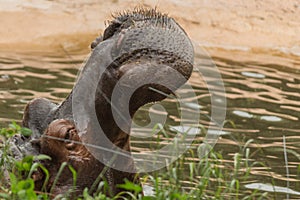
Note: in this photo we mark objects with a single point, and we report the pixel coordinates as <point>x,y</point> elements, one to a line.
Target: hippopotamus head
<point>142,56</point>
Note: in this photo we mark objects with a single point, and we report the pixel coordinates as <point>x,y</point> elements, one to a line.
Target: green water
<point>263,104</point>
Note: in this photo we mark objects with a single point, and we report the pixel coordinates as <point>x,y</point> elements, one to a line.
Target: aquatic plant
<point>187,178</point>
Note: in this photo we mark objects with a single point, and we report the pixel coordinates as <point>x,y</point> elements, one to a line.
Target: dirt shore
<point>269,25</point>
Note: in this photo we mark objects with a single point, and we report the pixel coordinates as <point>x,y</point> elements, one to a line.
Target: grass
<point>187,178</point>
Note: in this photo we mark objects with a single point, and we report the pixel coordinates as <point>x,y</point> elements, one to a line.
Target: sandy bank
<point>34,25</point>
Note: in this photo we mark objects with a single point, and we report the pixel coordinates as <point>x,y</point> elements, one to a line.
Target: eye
<point>67,135</point>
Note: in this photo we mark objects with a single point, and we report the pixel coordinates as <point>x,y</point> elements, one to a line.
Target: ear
<point>35,115</point>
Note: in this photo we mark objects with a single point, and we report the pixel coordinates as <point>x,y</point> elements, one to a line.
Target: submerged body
<point>143,46</point>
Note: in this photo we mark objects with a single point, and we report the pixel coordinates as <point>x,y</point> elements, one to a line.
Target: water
<point>263,104</point>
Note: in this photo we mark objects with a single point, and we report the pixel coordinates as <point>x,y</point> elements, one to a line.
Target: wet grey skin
<point>142,44</point>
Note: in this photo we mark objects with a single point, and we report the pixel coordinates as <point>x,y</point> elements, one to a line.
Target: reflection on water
<point>263,103</point>
<point>31,77</point>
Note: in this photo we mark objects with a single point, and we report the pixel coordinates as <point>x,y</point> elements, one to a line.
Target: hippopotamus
<point>140,49</point>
